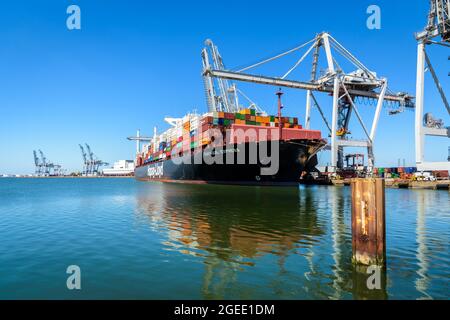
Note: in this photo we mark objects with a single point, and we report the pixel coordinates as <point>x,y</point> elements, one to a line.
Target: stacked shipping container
<point>192,132</point>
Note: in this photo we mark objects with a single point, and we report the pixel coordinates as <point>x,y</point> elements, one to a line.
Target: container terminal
<point>350,90</point>
<point>298,242</point>
<point>91,166</point>
<point>230,109</point>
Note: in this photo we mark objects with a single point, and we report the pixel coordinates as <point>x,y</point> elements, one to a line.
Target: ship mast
<point>280,106</point>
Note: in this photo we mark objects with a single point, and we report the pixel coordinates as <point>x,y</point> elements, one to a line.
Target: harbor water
<point>137,240</point>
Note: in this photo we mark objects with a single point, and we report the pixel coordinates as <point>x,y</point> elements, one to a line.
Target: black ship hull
<point>295,157</point>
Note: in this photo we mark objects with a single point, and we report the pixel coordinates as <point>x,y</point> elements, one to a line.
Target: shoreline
<point>389,183</point>
<point>67,177</point>
<point>406,184</point>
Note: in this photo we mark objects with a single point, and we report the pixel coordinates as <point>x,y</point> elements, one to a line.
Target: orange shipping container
<point>262,119</point>
<point>208,119</point>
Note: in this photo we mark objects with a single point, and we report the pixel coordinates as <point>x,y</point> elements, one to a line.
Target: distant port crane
<point>37,163</point>
<point>46,166</point>
<point>348,90</point>
<point>436,33</point>
<point>43,167</point>
<point>91,164</point>
<point>85,160</point>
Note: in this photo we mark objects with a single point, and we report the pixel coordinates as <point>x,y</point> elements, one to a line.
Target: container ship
<point>245,147</point>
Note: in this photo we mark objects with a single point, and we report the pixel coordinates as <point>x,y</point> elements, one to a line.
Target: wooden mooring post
<point>368,221</point>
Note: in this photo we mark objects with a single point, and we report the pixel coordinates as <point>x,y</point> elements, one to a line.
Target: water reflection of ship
<point>231,226</point>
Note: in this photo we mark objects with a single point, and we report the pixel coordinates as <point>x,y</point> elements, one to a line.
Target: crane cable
<point>277,56</point>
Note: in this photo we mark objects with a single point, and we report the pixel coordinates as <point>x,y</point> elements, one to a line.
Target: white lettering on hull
<point>156,171</point>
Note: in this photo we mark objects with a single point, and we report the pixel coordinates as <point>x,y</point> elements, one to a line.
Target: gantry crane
<point>97,164</point>
<point>138,138</point>
<point>347,89</point>
<point>437,33</point>
<point>227,100</point>
<point>37,163</point>
<point>91,164</point>
<point>43,167</point>
<point>221,95</point>
<point>58,170</point>
<point>90,154</point>
<point>45,164</point>
<point>85,160</point>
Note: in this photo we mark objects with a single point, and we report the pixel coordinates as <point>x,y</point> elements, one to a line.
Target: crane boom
<point>36,158</point>
<point>43,159</point>
<point>83,153</point>
<point>90,153</point>
<point>406,99</point>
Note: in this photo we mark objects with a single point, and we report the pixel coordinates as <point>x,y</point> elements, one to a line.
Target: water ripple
<point>165,241</point>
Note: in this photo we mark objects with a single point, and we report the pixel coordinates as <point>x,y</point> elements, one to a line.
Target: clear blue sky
<point>135,62</point>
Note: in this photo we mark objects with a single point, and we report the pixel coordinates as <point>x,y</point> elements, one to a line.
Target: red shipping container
<point>229,116</point>
<point>440,174</point>
<point>293,134</point>
<point>259,133</point>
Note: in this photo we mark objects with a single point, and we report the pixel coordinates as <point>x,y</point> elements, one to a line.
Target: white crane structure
<point>221,95</point>
<point>138,138</point>
<point>436,33</point>
<point>347,89</point>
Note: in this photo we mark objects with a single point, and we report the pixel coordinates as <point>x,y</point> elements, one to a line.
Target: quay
<point>404,184</point>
